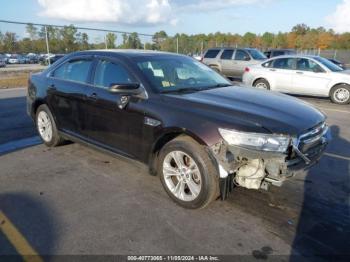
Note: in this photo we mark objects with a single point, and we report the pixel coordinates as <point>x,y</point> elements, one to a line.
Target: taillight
<point>246,69</point>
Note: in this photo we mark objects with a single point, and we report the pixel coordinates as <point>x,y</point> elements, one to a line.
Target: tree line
<point>69,39</point>
<point>61,40</point>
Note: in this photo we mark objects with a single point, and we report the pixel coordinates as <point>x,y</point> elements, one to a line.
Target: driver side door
<point>310,78</point>
<point>112,124</point>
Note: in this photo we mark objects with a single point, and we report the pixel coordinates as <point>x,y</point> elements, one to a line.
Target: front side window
<point>284,63</point>
<point>241,55</point>
<point>109,73</point>
<point>227,55</point>
<point>256,54</point>
<point>74,70</point>
<point>304,64</point>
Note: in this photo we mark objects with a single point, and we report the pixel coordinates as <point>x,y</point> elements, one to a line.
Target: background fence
<point>23,38</point>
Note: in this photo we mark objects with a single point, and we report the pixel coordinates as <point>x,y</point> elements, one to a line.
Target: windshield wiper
<point>219,85</point>
<point>181,90</point>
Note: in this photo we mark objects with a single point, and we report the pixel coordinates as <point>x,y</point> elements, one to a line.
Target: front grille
<point>312,138</point>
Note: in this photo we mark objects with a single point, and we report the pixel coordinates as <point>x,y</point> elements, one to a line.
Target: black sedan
<point>199,133</point>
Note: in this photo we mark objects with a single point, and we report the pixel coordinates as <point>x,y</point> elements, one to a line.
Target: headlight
<point>256,141</point>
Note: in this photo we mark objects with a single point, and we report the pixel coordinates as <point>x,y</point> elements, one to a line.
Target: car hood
<point>233,106</point>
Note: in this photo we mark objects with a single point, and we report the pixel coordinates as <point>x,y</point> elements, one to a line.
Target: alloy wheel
<point>44,126</point>
<point>182,176</point>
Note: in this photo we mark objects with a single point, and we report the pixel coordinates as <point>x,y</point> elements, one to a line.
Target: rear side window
<point>109,73</point>
<point>227,54</point>
<point>242,55</point>
<point>284,63</point>
<point>74,70</point>
<point>212,53</point>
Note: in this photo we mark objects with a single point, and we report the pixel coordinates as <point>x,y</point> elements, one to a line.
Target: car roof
<point>295,56</point>
<point>232,48</point>
<point>127,52</point>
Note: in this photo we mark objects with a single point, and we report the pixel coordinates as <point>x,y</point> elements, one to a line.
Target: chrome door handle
<point>300,73</point>
<point>273,70</point>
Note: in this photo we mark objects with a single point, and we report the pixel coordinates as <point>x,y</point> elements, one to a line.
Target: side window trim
<point>293,64</point>
<point>84,57</point>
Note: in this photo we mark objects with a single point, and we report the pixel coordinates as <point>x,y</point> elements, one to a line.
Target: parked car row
<point>20,58</point>
<point>30,58</point>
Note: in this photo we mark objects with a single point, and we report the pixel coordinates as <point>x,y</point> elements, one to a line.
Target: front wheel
<point>187,173</point>
<point>340,94</point>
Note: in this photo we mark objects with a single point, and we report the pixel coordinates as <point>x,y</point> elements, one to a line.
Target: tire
<point>262,84</point>
<point>215,69</point>
<point>340,94</point>
<point>47,128</point>
<point>203,178</point>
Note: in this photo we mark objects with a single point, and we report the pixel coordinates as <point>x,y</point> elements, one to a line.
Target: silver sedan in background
<point>303,75</point>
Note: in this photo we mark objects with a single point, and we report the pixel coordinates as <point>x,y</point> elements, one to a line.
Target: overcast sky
<point>184,16</point>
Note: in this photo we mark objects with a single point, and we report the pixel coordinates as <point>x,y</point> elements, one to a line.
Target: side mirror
<point>126,88</point>
<point>247,58</point>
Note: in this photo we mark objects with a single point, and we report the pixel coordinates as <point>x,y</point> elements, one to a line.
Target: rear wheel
<point>262,84</point>
<point>47,128</point>
<point>187,173</point>
<point>340,94</point>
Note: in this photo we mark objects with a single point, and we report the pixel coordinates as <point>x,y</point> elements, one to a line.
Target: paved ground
<point>74,200</point>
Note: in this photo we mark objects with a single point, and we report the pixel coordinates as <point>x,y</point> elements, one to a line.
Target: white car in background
<point>303,75</point>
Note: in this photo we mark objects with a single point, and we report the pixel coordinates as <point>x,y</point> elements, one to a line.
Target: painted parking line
<point>337,156</point>
<point>18,240</point>
<point>19,144</point>
<point>335,110</point>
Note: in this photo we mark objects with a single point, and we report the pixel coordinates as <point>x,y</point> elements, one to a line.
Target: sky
<point>180,16</point>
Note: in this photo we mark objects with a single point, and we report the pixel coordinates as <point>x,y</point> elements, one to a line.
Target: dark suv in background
<point>232,62</point>
<point>278,52</point>
<point>199,133</point>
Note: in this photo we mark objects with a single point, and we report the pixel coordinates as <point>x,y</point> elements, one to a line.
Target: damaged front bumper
<point>254,169</point>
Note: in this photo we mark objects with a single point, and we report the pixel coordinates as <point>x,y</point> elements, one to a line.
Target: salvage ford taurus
<point>199,133</point>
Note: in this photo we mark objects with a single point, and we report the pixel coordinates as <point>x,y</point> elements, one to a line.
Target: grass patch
<point>15,80</point>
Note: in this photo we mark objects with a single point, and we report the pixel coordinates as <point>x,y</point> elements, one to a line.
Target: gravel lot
<point>75,200</point>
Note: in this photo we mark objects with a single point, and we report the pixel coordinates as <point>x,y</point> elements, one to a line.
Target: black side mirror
<point>126,88</point>
<point>247,58</point>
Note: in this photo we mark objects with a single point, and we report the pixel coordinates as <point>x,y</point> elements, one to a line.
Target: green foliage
<point>69,39</point>
<point>110,40</point>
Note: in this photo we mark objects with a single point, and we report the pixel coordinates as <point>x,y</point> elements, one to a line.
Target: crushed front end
<point>260,167</point>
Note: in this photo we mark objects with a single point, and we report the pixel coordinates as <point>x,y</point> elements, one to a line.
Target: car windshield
<point>257,55</point>
<point>178,73</point>
<point>331,66</point>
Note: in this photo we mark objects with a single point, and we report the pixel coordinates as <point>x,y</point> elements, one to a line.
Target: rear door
<point>241,61</point>
<point>67,93</point>
<point>227,62</point>
<point>310,78</point>
<point>281,72</point>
